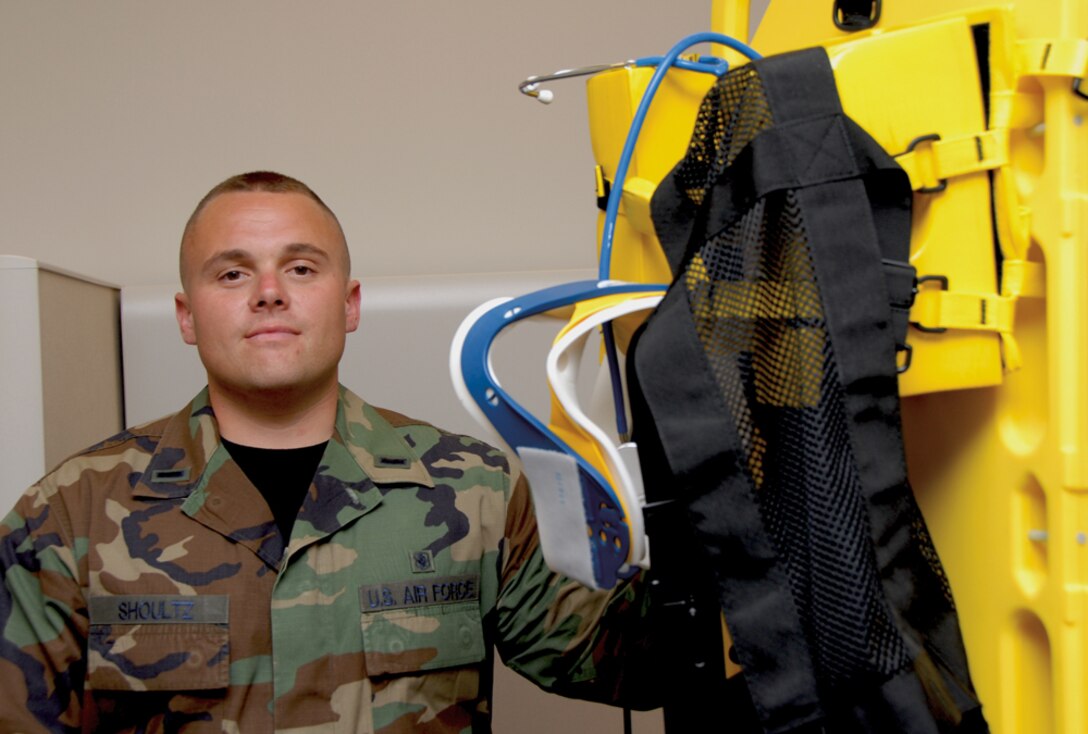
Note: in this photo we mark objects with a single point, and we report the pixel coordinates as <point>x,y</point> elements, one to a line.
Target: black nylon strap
<point>817,146</point>
<point>855,203</point>
<point>822,149</point>
<point>702,451</point>
<point>700,442</point>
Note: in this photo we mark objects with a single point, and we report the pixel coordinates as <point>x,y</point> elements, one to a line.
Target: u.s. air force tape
<point>160,609</point>
<point>419,593</point>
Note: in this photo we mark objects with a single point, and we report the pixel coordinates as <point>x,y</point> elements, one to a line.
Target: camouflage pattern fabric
<point>146,588</point>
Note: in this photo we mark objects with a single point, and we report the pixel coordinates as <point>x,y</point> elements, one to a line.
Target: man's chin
<point>276,386</point>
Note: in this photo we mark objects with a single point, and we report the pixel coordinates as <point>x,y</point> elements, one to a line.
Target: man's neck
<point>275,419</point>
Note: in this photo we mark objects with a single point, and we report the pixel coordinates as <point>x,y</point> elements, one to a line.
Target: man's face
<point>267,300</point>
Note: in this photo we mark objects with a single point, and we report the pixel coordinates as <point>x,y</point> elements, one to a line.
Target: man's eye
<point>231,275</point>
<point>302,270</point>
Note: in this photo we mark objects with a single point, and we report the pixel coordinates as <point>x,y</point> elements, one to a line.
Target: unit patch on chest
<point>422,561</point>
<point>417,593</point>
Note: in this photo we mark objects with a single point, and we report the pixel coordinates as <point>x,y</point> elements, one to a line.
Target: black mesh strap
<point>681,419</point>
<point>766,384</point>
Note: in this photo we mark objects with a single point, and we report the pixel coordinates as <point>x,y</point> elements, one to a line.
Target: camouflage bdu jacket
<point>145,588</point>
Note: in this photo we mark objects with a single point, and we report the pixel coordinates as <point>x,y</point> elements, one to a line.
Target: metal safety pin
<point>531,86</point>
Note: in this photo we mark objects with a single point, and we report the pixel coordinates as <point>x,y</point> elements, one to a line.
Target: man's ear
<point>184,315</point>
<point>351,306</point>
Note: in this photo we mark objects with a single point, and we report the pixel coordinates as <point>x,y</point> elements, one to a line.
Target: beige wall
<point>81,364</point>
<point>404,115</point>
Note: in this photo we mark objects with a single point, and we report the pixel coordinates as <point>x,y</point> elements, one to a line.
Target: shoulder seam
<point>152,430</point>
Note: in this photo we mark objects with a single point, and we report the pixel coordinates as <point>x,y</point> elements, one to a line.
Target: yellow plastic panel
<point>1026,657</point>
<point>793,24</point>
<point>882,79</point>
<point>613,98</point>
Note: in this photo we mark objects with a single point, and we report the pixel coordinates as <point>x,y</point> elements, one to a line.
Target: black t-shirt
<point>281,475</point>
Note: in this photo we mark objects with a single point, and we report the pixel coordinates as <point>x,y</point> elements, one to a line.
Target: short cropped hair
<point>270,181</point>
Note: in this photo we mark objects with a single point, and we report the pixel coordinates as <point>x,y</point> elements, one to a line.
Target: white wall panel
<point>22,428</point>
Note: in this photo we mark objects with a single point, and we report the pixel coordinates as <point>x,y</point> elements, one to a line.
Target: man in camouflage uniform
<point>149,586</point>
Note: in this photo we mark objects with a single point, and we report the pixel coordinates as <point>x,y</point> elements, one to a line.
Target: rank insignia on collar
<point>170,475</point>
<point>422,561</point>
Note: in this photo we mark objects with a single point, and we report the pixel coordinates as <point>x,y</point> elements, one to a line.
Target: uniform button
<point>396,646</point>
<point>195,659</point>
<point>466,637</point>
<point>215,501</point>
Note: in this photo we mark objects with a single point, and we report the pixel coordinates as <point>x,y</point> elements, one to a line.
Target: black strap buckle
<point>1077,90</point>
<point>908,350</point>
<point>852,16</point>
<point>943,280</point>
<point>942,184</point>
<point>606,191</point>
<point>899,277</point>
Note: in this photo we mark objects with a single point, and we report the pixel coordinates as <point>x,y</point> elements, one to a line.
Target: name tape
<point>415,593</point>
<point>160,609</point>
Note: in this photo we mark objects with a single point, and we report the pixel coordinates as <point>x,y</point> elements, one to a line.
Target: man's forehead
<point>263,207</point>
<point>226,222</point>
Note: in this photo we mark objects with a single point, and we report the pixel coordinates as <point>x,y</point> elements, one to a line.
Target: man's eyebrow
<point>220,259</point>
<point>239,255</point>
<point>305,248</point>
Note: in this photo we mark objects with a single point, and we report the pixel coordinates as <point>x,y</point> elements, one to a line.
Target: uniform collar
<point>377,447</point>
<point>188,448</point>
<point>190,451</point>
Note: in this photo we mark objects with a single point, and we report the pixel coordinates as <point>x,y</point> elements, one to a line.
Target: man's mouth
<point>271,331</point>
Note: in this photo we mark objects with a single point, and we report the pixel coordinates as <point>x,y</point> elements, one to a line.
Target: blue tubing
<point>668,60</point>
<point>663,63</point>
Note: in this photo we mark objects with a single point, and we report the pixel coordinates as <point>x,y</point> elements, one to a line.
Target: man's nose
<point>269,292</point>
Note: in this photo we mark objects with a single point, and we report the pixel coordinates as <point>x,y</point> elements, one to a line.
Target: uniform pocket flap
<point>164,645</point>
<point>422,638</point>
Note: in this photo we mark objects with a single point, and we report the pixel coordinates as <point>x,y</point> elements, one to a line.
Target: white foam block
<point>560,512</point>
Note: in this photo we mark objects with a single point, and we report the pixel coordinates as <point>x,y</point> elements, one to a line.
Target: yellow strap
<point>1053,57</point>
<point>602,191</point>
<point>936,309</point>
<point>1023,278</point>
<point>933,162</point>
<point>635,202</point>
